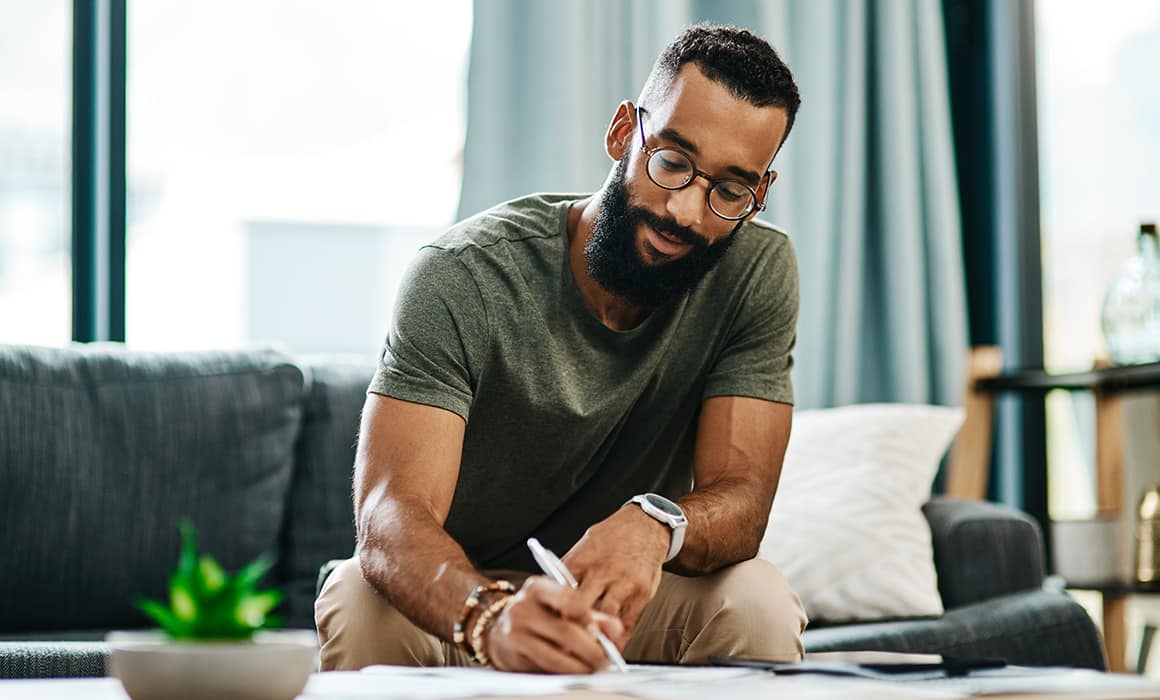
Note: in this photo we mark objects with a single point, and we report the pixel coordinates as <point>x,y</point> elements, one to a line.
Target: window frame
<point>98,170</point>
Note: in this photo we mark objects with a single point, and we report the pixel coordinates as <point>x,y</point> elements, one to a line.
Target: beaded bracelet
<point>459,631</point>
<point>481,624</point>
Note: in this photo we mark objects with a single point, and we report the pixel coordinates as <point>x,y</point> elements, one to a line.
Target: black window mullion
<point>84,176</point>
<point>117,175</point>
<point>98,170</point>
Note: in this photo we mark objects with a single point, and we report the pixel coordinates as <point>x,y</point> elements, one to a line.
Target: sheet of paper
<point>489,682</point>
<point>63,689</point>
<point>654,682</point>
<point>1068,683</point>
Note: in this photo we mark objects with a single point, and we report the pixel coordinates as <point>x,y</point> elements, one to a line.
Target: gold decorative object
<point>1148,538</point>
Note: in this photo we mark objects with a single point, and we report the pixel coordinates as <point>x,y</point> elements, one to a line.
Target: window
<point>35,95</point>
<point>1099,107</point>
<point>285,160</point>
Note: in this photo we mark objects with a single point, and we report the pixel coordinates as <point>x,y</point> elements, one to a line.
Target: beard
<point>613,259</point>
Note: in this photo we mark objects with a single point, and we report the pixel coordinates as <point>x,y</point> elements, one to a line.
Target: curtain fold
<point>867,184</point>
<point>544,80</point>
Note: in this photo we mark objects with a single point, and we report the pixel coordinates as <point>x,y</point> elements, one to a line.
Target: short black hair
<point>734,57</point>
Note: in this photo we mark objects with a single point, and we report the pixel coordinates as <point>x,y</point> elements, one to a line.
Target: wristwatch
<point>668,513</point>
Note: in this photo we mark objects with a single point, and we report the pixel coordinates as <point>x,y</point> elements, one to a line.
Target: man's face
<point>651,245</point>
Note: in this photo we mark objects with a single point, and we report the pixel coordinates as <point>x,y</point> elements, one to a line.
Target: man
<point>555,357</point>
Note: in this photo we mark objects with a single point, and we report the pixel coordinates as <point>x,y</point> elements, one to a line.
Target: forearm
<point>727,520</point>
<point>408,557</point>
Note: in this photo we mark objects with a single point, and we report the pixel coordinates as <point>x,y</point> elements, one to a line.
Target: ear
<point>763,191</point>
<point>767,182</point>
<point>618,139</point>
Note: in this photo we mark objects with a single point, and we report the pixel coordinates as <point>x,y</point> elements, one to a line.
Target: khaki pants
<point>743,610</point>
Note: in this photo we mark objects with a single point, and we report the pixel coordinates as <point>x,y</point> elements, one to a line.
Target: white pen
<point>559,573</point>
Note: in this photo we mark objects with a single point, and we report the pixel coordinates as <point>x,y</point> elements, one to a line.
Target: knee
<point>357,627</point>
<point>752,612</point>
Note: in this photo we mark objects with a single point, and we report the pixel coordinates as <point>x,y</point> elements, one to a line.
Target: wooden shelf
<point>1107,380</point>
<point>972,452</point>
<point>1114,588</point>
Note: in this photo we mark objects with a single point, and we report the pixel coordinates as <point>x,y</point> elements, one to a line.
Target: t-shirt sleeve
<point>437,338</point>
<point>757,355</point>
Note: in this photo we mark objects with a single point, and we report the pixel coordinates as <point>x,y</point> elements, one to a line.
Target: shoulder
<point>757,276</point>
<point>496,253</point>
<point>759,249</point>
<point>528,220</point>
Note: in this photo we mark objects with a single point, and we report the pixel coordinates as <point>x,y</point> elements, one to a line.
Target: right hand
<point>548,628</point>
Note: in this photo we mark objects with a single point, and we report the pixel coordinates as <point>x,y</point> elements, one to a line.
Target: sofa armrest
<point>982,550</point>
<point>1033,628</point>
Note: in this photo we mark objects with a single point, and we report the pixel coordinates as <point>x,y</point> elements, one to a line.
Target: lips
<point>663,243</point>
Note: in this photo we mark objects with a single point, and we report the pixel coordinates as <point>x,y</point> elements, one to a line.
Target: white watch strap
<point>676,532</point>
<point>676,543</point>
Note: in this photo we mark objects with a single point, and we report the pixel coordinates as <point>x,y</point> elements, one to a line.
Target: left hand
<point>618,564</point>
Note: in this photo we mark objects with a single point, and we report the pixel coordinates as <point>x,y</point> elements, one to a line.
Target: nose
<point>687,205</point>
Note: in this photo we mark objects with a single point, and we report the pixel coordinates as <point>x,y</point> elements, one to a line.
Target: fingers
<point>622,602</point>
<point>575,641</point>
<point>617,596</point>
<point>624,598</point>
<point>565,602</point>
<point>633,606</point>
<point>592,589</point>
<point>630,613</point>
<point>611,626</point>
<point>622,590</point>
<point>547,628</point>
<point>538,654</point>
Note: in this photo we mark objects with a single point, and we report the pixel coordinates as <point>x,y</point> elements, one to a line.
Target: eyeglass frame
<point>758,202</point>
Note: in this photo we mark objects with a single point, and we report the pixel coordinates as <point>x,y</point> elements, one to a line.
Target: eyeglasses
<point>672,169</point>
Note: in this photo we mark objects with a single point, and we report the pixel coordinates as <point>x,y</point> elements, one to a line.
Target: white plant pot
<point>274,665</point>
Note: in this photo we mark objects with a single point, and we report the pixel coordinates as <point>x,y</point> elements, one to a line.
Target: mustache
<point>669,227</point>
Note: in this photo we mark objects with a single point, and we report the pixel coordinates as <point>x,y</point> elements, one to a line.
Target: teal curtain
<point>544,79</point>
<point>867,183</point>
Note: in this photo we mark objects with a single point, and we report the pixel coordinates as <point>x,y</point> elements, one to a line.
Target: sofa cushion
<point>28,659</point>
<point>320,514</point>
<point>103,451</point>
<point>1033,628</point>
<point>847,528</point>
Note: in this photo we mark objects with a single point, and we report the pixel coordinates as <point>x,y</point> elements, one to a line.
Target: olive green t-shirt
<point>567,418</point>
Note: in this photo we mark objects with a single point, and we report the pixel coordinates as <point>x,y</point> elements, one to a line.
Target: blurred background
<point>184,175</point>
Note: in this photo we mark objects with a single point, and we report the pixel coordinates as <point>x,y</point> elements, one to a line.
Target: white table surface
<point>365,686</point>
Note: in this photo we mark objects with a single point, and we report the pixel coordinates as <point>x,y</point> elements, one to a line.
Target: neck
<point>615,312</point>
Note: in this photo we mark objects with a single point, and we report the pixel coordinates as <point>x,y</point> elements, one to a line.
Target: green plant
<point>207,603</point>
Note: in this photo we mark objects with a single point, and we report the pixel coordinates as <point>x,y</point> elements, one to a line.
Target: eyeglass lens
<point>673,170</point>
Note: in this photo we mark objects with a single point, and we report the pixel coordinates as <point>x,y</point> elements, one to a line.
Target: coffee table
<point>354,686</point>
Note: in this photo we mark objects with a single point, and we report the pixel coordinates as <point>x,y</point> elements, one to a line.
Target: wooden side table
<point>970,463</point>
<point>1115,598</point>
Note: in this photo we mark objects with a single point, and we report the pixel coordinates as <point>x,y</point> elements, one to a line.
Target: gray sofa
<point>102,451</point>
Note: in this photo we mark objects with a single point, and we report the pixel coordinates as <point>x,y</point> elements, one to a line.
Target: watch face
<point>664,505</point>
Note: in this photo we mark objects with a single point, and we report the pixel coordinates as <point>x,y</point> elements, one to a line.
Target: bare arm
<point>740,447</point>
<point>406,469</point>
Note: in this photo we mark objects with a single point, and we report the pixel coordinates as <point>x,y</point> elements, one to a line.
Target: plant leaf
<point>182,602</point>
<point>211,578</point>
<point>187,560</point>
<point>248,576</point>
<point>164,618</point>
<point>205,602</point>
<point>251,610</point>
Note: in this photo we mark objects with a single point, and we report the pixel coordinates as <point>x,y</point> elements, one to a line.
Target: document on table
<point>390,682</point>
<point>692,682</point>
<point>1048,683</point>
<point>659,682</point>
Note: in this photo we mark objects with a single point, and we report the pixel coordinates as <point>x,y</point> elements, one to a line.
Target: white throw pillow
<point>847,528</point>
